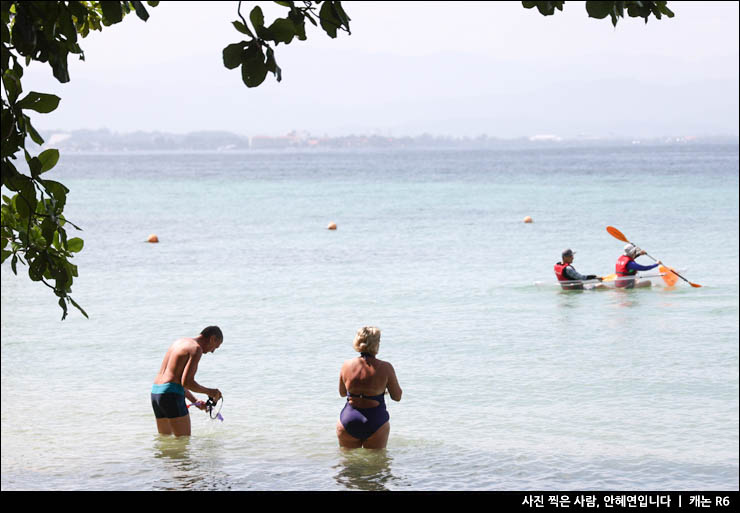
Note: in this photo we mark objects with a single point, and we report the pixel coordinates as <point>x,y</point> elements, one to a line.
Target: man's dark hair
<point>212,330</point>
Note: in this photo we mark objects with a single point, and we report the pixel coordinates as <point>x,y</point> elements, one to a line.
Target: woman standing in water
<point>364,421</point>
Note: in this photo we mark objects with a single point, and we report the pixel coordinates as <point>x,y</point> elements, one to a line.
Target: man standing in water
<point>176,381</point>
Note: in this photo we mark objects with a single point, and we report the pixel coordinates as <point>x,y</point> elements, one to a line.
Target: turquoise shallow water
<point>509,382</point>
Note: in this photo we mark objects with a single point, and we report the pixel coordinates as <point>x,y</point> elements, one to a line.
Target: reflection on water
<point>364,469</point>
<point>569,298</point>
<point>629,298</point>
<point>171,447</point>
<point>190,464</point>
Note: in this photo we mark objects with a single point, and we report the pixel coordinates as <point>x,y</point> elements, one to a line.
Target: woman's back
<point>363,381</point>
<point>367,376</point>
<point>364,377</point>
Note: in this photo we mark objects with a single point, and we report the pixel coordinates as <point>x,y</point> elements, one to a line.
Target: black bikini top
<point>380,398</point>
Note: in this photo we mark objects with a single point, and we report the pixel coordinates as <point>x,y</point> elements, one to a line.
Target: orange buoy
<point>332,226</point>
<point>527,219</point>
<point>153,238</point>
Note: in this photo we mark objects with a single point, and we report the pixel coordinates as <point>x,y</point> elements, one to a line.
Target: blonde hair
<point>367,340</point>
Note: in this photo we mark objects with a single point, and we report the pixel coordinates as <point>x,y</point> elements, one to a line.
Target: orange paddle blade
<point>669,276</point>
<point>610,277</point>
<point>616,233</point>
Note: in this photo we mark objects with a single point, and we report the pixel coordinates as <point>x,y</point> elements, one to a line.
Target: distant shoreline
<point>105,141</point>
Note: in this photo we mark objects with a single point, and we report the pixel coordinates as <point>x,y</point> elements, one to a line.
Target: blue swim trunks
<point>168,401</point>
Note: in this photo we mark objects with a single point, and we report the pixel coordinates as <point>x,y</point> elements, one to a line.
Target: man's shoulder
<point>186,344</point>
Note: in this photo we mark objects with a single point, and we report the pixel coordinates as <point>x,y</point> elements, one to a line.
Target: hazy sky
<point>445,68</point>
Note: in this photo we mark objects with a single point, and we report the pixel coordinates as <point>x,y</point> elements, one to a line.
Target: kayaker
<point>627,268</point>
<point>569,278</point>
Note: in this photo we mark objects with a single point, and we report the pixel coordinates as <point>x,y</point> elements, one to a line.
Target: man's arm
<point>188,377</point>
<point>189,396</point>
<point>572,274</point>
<point>194,400</point>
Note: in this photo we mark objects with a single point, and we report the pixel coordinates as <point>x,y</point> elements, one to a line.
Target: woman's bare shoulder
<point>348,363</point>
<point>386,365</point>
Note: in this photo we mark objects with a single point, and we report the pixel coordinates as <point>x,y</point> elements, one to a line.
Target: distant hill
<point>105,141</point>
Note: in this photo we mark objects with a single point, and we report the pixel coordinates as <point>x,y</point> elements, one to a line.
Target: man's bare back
<point>177,358</point>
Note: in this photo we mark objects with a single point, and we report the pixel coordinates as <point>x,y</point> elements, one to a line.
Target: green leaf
<point>40,102</point>
<point>599,10</point>
<point>112,12</point>
<point>75,244</point>
<point>344,19</point>
<point>299,24</point>
<point>238,25</point>
<point>12,85</point>
<point>253,73</point>
<point>58,192</point>
<point>282,30</point>
<point>35,165</point>
<point>662,7</point>
<point>6,123</point>
<point>545,8</point>
<point>233,54</point>
<point>62,277</point>
<point>140,10</point>
<point>48,227</point>
<point>78,307</point>
<point>49,159</point>
<point>329,22</point>
<point>37,268</point>
<point>257,18</point>
<point>272,65</point>
<point>59,66</point>
<point>12,179</point>
<point>35,137</point>
<point>254,69</point>
<point>25,201</point>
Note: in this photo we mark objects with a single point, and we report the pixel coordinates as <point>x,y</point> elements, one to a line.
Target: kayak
<point>667,279</point>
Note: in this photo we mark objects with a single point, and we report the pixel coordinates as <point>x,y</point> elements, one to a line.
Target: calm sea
<point>509,383</point>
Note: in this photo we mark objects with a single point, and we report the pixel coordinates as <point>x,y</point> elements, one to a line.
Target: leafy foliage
<point>34,229</point>
<point>600,10</point>
<point>255,55</point>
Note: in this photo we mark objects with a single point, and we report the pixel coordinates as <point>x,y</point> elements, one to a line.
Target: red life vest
<point>560,270</point>
<point>621,270</point>
<point>560,274</point>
